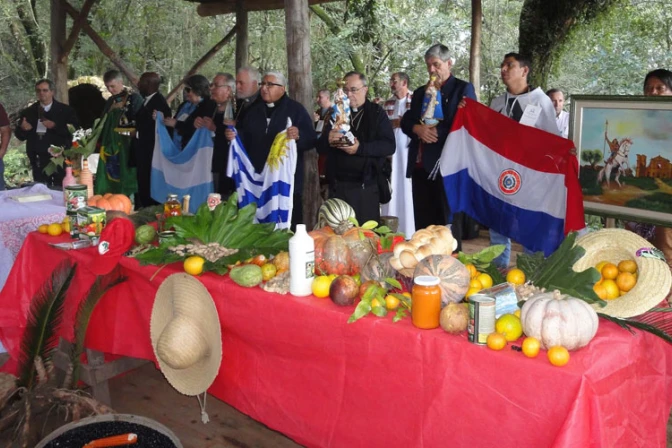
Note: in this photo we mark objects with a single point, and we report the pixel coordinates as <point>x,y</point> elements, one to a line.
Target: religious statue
<point>340,116</point>
<point>432,112</point>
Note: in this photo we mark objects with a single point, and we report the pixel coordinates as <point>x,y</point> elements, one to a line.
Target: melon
<point>453,276</point>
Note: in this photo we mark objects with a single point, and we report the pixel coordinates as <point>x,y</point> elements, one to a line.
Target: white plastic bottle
<point>301,262</point>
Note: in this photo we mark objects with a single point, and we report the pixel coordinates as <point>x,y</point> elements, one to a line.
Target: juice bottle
<point>172,206</point>
<point>426,302</point>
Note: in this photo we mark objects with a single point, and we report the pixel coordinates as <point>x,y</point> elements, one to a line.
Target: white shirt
<point>537,97</point>
<point>147,98</point>
<point>562,121</point>
<point>41,128</point>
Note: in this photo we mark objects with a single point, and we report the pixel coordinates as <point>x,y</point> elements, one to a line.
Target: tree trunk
<point>357,63</point>
<point>475,51</point>
<point>59,60</point>
<point>544,29</point>
<point>297,26</point>
<point>242,53</point>
<point>38,48</point>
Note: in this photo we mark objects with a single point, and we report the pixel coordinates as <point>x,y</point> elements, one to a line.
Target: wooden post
<point>241,35</point>
<point>59,62</point>
<point>297,26</point>
<point>475,52</point>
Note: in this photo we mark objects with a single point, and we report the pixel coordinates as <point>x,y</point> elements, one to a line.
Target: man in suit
<point>143,143</point>
<point>43,124</point>
<point>430,204</point>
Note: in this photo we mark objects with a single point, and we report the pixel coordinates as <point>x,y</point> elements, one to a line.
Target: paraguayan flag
<point>181,172</point>
<point>272,189</point>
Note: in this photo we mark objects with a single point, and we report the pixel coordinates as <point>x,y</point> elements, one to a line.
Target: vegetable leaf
<point>482,259</point>
<point>530,263</point>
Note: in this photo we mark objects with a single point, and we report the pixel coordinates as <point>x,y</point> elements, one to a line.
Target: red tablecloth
<point>297,366</point>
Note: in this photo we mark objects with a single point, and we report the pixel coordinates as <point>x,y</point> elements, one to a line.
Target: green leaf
<point>530,263</point>
<point>393,282</point>
<point>362,309</point>
<point>627,323</point>
<point>369,225</point>
<point>483,258</point>
<point>379,311</point>
<point>400,314</point>
<point>354,221</point>
<point>494,273</point>
<point>383,230</point>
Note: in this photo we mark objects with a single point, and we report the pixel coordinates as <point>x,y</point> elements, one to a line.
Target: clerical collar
<point>354,109</point>
<point>47,107</point>
<point>270,104</point>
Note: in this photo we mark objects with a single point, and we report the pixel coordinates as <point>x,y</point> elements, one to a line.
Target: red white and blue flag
<point>518,180</point>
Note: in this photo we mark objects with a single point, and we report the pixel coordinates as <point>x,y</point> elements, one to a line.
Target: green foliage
<point>17,167</point>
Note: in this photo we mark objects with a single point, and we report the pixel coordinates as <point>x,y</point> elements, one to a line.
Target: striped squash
<point>454,276</point>
<point>336,213</point>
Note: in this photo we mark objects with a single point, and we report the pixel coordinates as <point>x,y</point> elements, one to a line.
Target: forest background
<point>607,53</point>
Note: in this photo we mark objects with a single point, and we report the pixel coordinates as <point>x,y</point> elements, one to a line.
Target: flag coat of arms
<point>272,189</point>
<point>187,171</point>
<point>515,179</point>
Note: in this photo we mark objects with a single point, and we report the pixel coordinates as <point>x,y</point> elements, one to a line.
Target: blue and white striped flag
<point>181,172</point>
<point>272,189</point>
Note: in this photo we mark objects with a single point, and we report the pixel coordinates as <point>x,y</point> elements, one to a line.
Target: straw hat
<point>653,274</point>
<point>186,334</point>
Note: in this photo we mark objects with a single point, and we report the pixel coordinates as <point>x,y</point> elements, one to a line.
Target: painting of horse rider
<point>624,145</point>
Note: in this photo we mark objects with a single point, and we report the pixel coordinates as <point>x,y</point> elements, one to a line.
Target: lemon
<point>515,277</point>
<point>43,228</point>
<point>471,292</point>
<point>611,288</point>
<point>600,265</point>
<point>472,270</point>
<point>55,229</point>
<point>475,283</point>
<point>391,302</point>
<point>517,313</point>
<point>627,266</point>
<point>65,225</point>
<point>194,265</point>
<point>320,286</point>
<point>509,326</point>
<point>486,280</point>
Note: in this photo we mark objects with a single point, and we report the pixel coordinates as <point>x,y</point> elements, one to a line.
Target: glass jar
<point>426,302</point>
<point>172,206</point>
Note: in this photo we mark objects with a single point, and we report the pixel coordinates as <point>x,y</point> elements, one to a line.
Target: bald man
<point>143,144</point>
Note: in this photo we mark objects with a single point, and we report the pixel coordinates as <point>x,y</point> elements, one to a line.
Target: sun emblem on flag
<point>509,181</point>
<point>278,151</point>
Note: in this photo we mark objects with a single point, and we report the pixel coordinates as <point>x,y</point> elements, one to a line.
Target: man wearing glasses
<point>265,119</point>
<point>352,170</point>
<point>43,124</point>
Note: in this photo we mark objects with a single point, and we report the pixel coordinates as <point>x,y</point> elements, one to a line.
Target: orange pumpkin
<point>109,201</point>
<point>343,254</point>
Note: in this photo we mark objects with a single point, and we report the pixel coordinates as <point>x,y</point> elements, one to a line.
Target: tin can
<point>75,197</point>
<point>167,236</point>
<point>481,318</point>
<point>90,223</point>
<point>214,199</point>
<point>72,219</point>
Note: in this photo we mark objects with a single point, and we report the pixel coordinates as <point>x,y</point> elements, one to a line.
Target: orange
<point>517,313</point>
<point>495,341</point>
<point>627,266</point>
<point>475,283</point>
<point>515,276</point>
<point>600,265</point>
<point>43,228</point>
<point>391,302</point>
<point>558,355</point>
<point>600,290</point>
<point>485,279</point>
<point>626,281</point>
<point>320,286</point>
<point>471,292</point>
<point>194,265</point>
<point>612,289</point>
<point>531,347</point>
<point>406,294</point>
<point>55,229</point>
<point>268,271</point>
<point>609,271</point>
<point>472,270</point>
<point>375,303</point>
<point>509,326</point>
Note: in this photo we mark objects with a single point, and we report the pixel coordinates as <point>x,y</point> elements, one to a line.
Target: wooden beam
<point>242,53</point>
<point>59,62</point>
<point>101,44</point>
<point>77,27</point>
<point>475,49</point>
<point>229,6</point>
<point>201,62</point>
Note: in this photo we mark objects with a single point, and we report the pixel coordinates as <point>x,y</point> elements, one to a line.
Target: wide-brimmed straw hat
<point>653,274</point>
<point>186,334</point>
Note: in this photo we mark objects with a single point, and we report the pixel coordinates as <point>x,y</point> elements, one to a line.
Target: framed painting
<point>624,146</point>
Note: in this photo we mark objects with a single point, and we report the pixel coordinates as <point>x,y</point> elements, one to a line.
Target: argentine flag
<point>272,189</point>
<point>518,180</point>
<point>181,172</point>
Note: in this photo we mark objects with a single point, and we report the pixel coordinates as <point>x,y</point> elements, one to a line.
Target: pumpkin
<point>336,213</point>
<point>110,201</point>
<point>453,276</point>
<point>556,319</point>
<point>343,254</point>
<point>378,268</point>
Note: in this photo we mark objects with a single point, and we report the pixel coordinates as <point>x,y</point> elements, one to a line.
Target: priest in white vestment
<point>401,204</point>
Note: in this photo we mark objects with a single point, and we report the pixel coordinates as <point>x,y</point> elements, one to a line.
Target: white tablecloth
<point>17,219</point>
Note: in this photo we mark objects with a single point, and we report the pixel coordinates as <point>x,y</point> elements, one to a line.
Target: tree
<point>592,156</point>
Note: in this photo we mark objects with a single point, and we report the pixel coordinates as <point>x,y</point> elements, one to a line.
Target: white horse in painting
<point>618,161</point>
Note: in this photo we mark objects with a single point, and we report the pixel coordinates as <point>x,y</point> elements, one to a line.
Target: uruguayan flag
<point>181,172</point>
<point>272,189</point>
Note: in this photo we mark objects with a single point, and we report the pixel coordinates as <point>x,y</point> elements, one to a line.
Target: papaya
<point>247,275</point>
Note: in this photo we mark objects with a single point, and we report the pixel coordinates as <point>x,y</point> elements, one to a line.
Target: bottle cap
<point>426,280</point>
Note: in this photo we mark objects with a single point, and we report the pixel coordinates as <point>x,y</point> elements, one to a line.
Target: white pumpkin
<point>555,319</point>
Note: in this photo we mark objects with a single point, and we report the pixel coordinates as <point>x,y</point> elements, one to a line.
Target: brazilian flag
<point>113,174</point>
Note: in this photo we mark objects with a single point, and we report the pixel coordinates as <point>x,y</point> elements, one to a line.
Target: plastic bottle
<point>301,262</point>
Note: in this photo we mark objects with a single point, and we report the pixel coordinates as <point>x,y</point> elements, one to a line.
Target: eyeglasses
<point>187,89</point>
<point>42,90</point>
<point>353,90</point>
<point>217,86</point>
<point>269,84</point>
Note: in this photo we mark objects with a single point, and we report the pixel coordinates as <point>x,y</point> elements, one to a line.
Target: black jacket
<point>186,129</point>
<point>145,126</point>
<point>376,141</point>
<point>59,113</point>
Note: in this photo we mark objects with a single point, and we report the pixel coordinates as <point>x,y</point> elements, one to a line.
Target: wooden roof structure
<point>208,8</point>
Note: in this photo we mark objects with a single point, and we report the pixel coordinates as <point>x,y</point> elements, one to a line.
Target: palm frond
<point>657,326</point>
<point>102,284</point>
<point>44,317</point>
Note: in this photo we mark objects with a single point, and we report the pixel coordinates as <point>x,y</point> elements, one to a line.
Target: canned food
<point>481,318</point>
<point>72,219</point>
<point>90,223</point>
<point>75,197</point>
<point>167,236</point>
